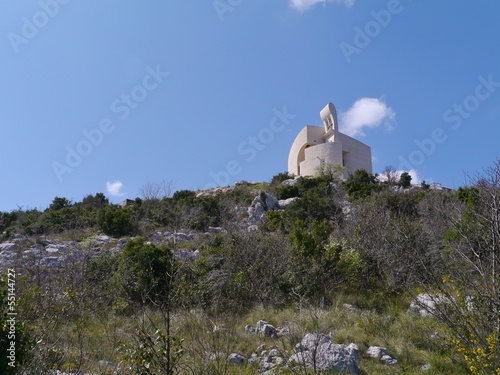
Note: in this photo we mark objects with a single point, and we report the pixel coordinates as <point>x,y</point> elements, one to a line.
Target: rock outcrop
<point>262,203</point>
<point>317,351</point>
<point>382,354</point>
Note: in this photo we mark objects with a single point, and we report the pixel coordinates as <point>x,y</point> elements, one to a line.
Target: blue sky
<point>106,96</point>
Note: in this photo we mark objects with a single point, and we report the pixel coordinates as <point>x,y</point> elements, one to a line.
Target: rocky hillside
<point>315,275</point>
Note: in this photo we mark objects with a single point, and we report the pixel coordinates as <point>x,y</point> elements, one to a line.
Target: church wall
<point>359,155</point>
<point>315,155</point>
<point>309,135</point>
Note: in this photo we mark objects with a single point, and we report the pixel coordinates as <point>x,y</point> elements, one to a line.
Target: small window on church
<point>329,123</point>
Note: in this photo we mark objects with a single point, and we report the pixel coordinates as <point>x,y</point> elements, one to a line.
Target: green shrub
<point>116,221</point>
<point>285,192</point>
<point>280,177</point>
<point>145,272</point>
<point>361,184</point>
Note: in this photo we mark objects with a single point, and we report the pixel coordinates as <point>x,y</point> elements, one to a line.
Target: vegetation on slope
<point>372,245</point>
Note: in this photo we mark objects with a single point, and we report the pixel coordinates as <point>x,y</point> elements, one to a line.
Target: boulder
<point>178,237</point>
<point>354,350</point>
<point>382,354</point>
<point>425,367</point>
<point>236,359</point>
<point>103,239</point>
<point>387,359</point>
<point>253,358</point>
<point>256,213</point>
<point>249,329</point>
<point>157,238</point>
<point>311,341</point>
<point>266,329</point>
<point>52,249</point>
<point>317,351</point>
<point>290,182</point>
<point>377,351</point>
<point>285,202</point>
<point>268,201</point>
<point>261,203</point>
<point>425,304</point>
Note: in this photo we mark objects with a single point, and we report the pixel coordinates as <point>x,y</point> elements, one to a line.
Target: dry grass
<point>98,344</point>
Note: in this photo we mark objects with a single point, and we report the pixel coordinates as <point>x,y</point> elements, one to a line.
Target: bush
<point>280,177</point>
<point>145,272</point>
<point>184,195</point>
<point>116,221</point>
<point>285,192</point>
<point>361,184</point>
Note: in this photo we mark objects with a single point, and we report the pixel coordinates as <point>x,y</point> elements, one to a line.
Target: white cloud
<point>303,5</point>
<point>415,179</point>
<point>366,113</point>
<point>114,188</point>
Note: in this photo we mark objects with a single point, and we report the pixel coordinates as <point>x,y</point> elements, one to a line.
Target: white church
<point>315,145</point>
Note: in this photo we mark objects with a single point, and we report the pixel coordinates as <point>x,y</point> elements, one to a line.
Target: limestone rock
<point>262,203</point>
<point>236,359</point>
<point>266,329</point>
<point>290,182</point>
<point>8,246</point>
<point>249,329</point>
<point>377,351</point>
<point>317,350</point>
<point>382,354</point>
<point>389,360</point>
<point>353,349</point>
<point>425,304</point>
<point>311,341</point>
<point>285,202</point>
<point>178,237</point>
<point>425,367</point>
<point>56,248</point>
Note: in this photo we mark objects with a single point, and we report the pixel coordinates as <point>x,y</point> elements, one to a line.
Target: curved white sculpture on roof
<point>315,145</point>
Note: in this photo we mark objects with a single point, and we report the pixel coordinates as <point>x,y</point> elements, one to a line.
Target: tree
<point>391,175</point>
<point>424,185</point>
<point>467,286</point>
<point>95,201</point>
<point>157,190</point>
<point>143,271</point>
<point>59,203</point>
<point>146,274</point>
<point>405,180</point>
<point>312,268</point>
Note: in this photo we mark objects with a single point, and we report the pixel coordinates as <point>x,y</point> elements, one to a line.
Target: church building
<point>315,145</point>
